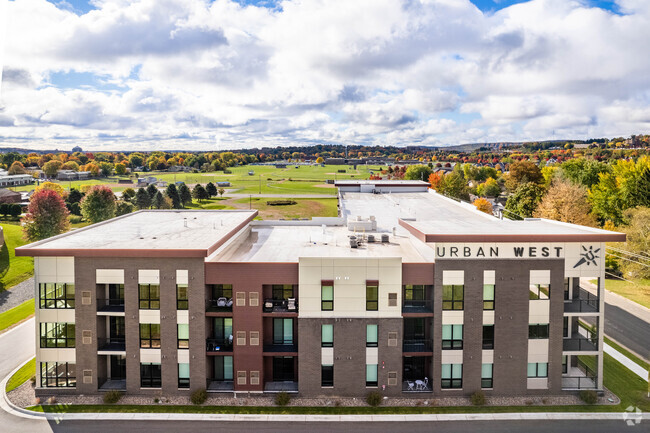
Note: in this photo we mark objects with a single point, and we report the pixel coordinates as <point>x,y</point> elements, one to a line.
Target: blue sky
<point>189,74</point>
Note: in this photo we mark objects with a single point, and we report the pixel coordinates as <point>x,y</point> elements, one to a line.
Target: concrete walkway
<point>627,362</point>
<point>16,295</point>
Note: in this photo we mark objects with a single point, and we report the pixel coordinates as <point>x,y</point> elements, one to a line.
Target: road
<point>628,330</point>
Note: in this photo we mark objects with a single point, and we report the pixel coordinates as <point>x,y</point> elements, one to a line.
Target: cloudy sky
<point>202,75</point>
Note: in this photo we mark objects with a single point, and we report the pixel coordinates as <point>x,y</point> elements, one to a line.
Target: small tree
<point>142,199</point>
<point>46,216</point>
<point>128,194</point>
<point>152,190</point>
<point>52,186</point>
<point>50,168</point>
<point>199,193</point>
<point>158,201</point>
<point>483,205</point>
<point>211,189</point>
<point>4,209</point>
<point>98,204</point>
<point>123,207</point>
<point>106,168</point>
<point>15,210</point>
<point>74,196</point>
<point>17,168</point>
<point>173,195</point>
<point>120,169</point>
<point>186,194</point>
<point>221,191</point>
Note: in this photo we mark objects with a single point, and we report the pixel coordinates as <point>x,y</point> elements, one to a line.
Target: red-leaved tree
<point>46,216</point>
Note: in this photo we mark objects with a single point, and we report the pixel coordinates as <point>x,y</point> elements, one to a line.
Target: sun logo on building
<point>588,256</point>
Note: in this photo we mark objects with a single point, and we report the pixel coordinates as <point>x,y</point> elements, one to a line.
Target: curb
<point>8,406</point>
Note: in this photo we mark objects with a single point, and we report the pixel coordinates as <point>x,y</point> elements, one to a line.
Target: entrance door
<point>283,369</point>
<point>118,367</point>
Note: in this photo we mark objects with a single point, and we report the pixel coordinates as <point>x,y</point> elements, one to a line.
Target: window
<point>565,327</point>
<point>371,374</point>
<point>58,375</point>
<point>57,335</point>
<point>372,296</point>
<point>371,336</point>
<point>565,362</point>
<point>149,296</point>
<point>183,330</point>
<point>566,288</point>
<point>327,375</point>
<point>488,337</point>
<point>223,370</point>
<point>538,331</point>
<point>183,375</point>
<point>539,291</point>
<point>56,295</point>
<point>282,292</point>
<point>452,297</point>
<point>150,335</point>
<point>222,331</point>
<point>327,336</point>
<point>415,292</point>
<point>452,376</point>
<point>222,291</point>
<point>181,296</point>
<point>452,336</point>
<point>486,376</point>
<point>327,296</point>
<point>537,369</point>
<point>150,375</point>
<point>283,331</point>
<point>488,296</point>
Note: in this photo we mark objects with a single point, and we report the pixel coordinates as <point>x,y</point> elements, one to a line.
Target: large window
<point>486,376</point>
<point>371,335</point>
<point>538,331</point>
<point>372,296</point>
<point>452,336</point>
<point>327,296</point>
<point>150,335</point>
<point>222,291</point>
<point>57,335</point>
<point>327,375</point>
<point>150,375</point>
<point>282,292</point>
<point>58,375</point>
<point>415,292</point>
<point>183,375</point>
<point>371,374</point>
<point>488,337</point>
<point>222,335</point>
<point>223,368</point>
<point>183,330</point>
<point>452,376</point>
<point>283,331</point>
<point>56,295</point>
<point>537,369</point>
<point>539,291</point>
<point>452,297</point>
<point>327,336</point>
<point>181,297</point>
<point>149,296</point>
<point>488,296</point>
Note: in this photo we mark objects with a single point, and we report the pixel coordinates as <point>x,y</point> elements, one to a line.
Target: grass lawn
<point>304,208</point>
<point>628,386</point>
<point>21,376</point>
<point>637,291</point>
<point>625,352</point>
<point>16,314</point>
<point>13,270</point>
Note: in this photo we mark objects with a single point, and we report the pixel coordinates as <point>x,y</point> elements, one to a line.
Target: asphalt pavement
<point>627,330</point>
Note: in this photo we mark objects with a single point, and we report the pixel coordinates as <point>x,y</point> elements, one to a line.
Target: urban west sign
<point>500,251</point>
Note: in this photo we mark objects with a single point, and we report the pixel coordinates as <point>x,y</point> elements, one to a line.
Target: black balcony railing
<point>280,305</point>
<point>110,305</point>
<point>425,345</point>
<point>111,344</point>
<point>219,305</point>
<point>218,345</point>
<point>579,343</point>
<point>417,306</point>
<point>281,347</point>
<point>219,385</point>
<point>584,302</point>
<point>108,384</point>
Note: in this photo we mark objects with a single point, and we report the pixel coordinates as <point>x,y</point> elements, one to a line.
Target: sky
<point>226,74</point>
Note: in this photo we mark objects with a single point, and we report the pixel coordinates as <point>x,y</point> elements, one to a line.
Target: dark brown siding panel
<point>417,273</point>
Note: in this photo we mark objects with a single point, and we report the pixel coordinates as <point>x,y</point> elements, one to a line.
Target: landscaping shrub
<point>478,398</point>
<point>112,397</point>
<point>280,202</point>
<point>374,398</point>
<point>282,399</point>
<point>589,396</point>
<point>199,396</point>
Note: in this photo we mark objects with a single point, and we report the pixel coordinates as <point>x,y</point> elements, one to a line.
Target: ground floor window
<point>371,374</point>
<point>537,369</point>
<point>58,375</point>
<point>223,368</point>
<point>150,375</point>
<point>183,375</point>
<point>452,376</point>
<point>486,376</point>
<point>327,375</point>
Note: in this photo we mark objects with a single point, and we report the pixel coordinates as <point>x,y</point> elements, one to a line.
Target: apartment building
<point>405,292</point>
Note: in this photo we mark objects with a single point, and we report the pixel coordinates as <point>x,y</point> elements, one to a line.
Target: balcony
<point>584,302</point>
<point>280,305</point>
<point>420,306</point>
<point>220,385</point>
<point>422,345</point>
<point>579,377</point>
<point>285,347</point>
<point>111,344</point>
<point>580,343</point>
<point>110,305</point>
<point>107,384</point>
<point>215,345</point>
<point>282,386</point>
<point>219,305</point>
<point>418,385</point>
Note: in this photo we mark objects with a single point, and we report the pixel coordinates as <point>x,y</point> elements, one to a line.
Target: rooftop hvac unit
<point>371,238</point>
<point>353,243</point>
<point>384,238</point>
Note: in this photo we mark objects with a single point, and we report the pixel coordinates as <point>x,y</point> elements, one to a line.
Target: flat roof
<point>381,182</point>
<point>150,233</point>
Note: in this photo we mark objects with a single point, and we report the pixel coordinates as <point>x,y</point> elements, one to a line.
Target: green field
<point>13,269</point>
<point>304,207</point>
<point>16,314</point>
<point>637,291</point>
<point>22,375</point>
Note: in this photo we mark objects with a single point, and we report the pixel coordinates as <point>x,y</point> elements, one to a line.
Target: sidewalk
<point>627,362</point>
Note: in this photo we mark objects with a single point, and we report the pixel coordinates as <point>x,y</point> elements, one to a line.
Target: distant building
<point>223,184</point>
<point>179,168</point>
<point>281,165</point>
<point>9,196</point>
<point>16,180</point>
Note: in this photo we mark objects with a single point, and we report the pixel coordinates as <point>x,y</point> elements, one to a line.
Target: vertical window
<point>371,335</point>
<point>222,336</point>
<point>537,369</point>
<point>59,335</point>
<point>149,296</point>
<point>567,282</point>
<point>486,376</point>
<point>539,291</point>
<point>150,335</point>
<point>538,331</point>
<point>183,330</point>
<point>223,370</point>
<point>327,336</point>
<point>150,375</point>
<point>488,296</point>
<point>56,295</point>
<point>181,297</point>
<point>452,297</point>
<point>327,375</point>
<point>58,375</point>
<point>565,364</point>
<point>283,331</point>
<point>565,327</point>
<point>452,336</point>
<point>371,374</point>
<point>282,292</point>
<point>372,296</point>
<point>327,296</point>
<point>452,376</point>
<point>183,375</point>
<point>488,337</point>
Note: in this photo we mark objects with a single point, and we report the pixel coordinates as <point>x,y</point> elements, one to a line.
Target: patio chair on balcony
<point>411,385</point>
<point>221,302</point>
<point>291,304</point>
